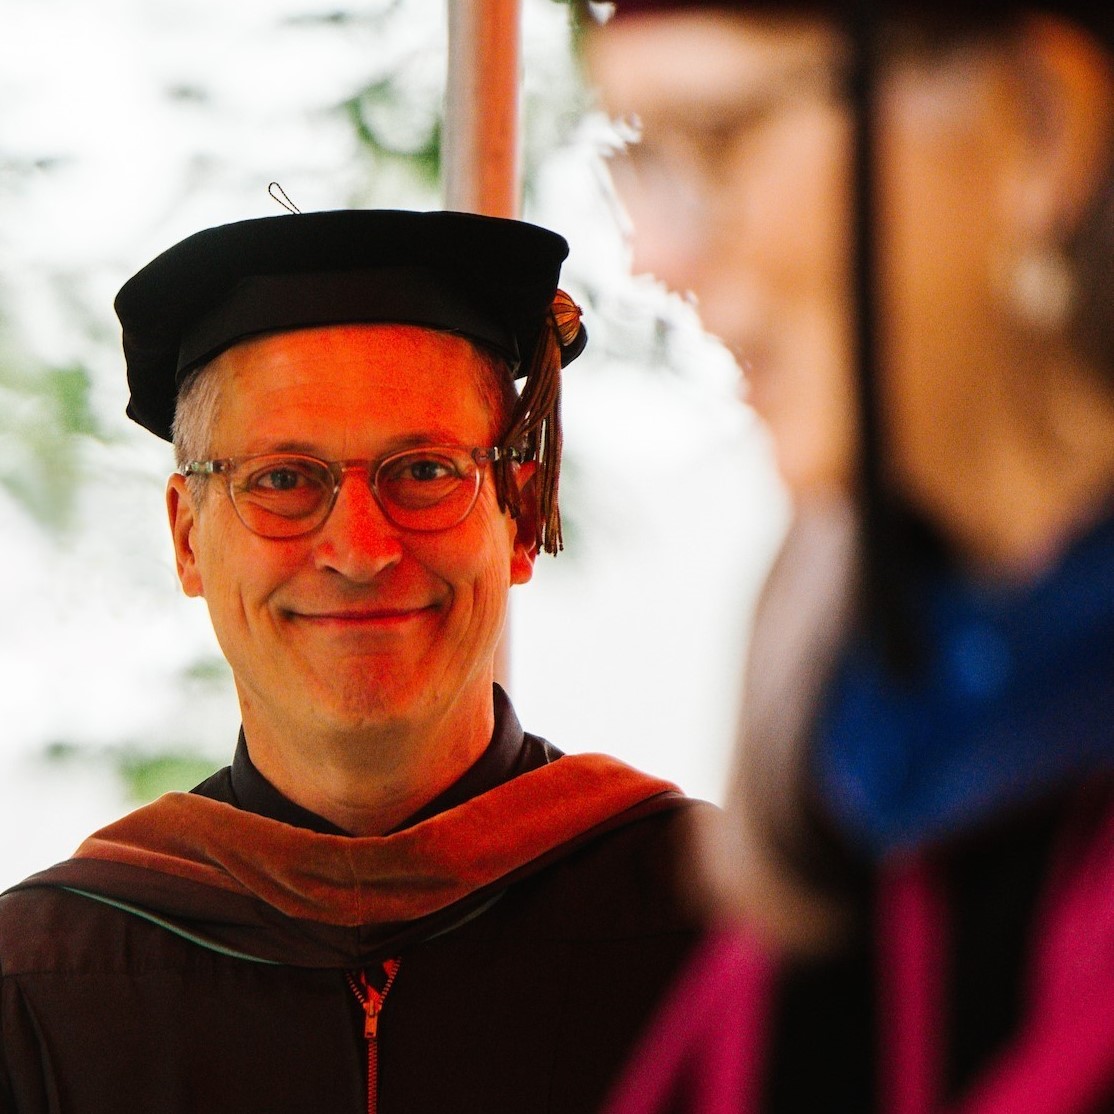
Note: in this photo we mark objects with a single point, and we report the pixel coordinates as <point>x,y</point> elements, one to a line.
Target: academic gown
<point>980,982</point>
<point>978,806</point>
<point>200,956</point>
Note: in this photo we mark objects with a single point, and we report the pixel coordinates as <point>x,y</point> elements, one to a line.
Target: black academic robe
<point>155,972</point>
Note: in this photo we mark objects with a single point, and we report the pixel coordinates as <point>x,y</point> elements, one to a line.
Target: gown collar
<point>510,753</point>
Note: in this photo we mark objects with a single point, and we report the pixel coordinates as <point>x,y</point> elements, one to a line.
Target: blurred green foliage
<point>144,772</point>
<point>45,418</point>
<point>371,113</point>
<point>147,775</point>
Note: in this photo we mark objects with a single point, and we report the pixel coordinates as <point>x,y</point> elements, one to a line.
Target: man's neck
<point>368,781</point>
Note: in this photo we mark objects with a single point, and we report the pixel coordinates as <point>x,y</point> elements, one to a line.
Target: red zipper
<point>372,1001</point>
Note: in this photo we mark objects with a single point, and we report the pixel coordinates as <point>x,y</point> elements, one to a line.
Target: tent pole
<point>480,156</point>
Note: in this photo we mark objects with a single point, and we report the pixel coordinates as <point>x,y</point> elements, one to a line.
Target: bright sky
<point>630,642</point>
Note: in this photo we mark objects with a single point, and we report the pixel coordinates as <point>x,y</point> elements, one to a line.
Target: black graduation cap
<point>1095,15</point>
<point>486,278</point>
<point>489,279</point>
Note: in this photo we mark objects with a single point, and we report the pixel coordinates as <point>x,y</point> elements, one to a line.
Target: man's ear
<point>183,521</point>
<point>526,525</point>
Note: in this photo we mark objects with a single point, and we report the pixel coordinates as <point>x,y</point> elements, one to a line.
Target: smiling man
<point>394,899</point>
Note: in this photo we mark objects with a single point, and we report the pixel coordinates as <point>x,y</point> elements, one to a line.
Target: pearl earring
<point>1042,287</point>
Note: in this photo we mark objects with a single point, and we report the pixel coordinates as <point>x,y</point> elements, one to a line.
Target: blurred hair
<point>1091,252</point>
<point>803,880</point>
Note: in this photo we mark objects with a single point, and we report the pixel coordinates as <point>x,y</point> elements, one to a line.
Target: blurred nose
<point>357,540</point>
<point>666,249</point>
<point>659,251</point>
<point>671,234</point>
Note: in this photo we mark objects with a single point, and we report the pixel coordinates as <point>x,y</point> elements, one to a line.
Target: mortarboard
<point>489,279</point>
<point>1095,15</point>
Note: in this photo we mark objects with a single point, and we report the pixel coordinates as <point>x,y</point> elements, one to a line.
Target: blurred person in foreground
<point>394,899</point>
<point>900,217</point>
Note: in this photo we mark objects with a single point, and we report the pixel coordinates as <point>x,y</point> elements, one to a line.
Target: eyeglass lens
<point>422,489</point>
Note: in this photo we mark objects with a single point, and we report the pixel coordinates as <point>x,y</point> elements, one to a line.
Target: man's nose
<point>357,539</point>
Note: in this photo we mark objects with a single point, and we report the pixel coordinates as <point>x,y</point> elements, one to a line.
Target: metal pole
<point>480,157</point>
<point>479,153</point>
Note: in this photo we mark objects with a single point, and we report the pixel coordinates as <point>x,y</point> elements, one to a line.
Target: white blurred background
<point>128,124</point>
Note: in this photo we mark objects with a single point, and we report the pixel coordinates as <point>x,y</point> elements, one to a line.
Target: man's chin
<point>371,700</point>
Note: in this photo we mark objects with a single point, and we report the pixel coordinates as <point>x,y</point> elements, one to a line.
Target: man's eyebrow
<point>391,445</point>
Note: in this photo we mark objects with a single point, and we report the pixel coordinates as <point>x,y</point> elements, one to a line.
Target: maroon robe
<point>985,985</point>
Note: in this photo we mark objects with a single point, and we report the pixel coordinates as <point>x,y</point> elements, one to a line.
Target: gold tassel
<point>535,428</point>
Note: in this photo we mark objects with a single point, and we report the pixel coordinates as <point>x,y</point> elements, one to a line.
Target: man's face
<point>360,624</point>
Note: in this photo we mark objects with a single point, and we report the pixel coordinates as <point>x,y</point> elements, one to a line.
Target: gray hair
<point>195,416</point>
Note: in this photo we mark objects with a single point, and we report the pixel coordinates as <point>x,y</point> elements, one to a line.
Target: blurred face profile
<point>737,192</point>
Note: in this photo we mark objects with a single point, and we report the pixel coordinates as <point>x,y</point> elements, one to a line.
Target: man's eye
<point>428,469</point>
<point>285,477</point>
<point>423,468</point>
<point>282,479</point>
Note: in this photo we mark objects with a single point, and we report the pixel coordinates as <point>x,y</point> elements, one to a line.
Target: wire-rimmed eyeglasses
<point>285,495</point>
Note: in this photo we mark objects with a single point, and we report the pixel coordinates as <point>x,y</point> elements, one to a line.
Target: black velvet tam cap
<point>486,278</point>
